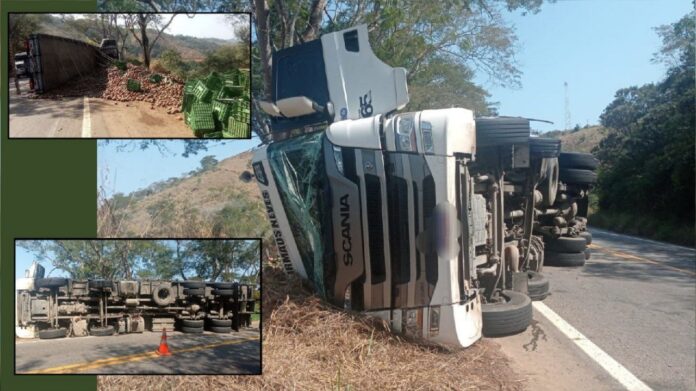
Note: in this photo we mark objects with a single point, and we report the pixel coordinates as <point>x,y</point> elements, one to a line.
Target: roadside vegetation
<point>646,176</point>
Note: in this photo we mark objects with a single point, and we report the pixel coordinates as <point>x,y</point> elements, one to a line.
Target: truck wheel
<point>580,160</point>
<point>192,323</point>
<point>552,258</point>
<point>220,322</point>
<point>577,176</point>
<point>163,296</point>
<point>588,254</point>
<point>223,292</point>
<point>53,333</point>
<point>221,330</point>
<point>193,284</point>
<point>194,292</point>
<point>537,286</point>
<point>587,236</point>
<point>192,330</point>
<point>565,244</point>
<point>52,282</point>
<point>102,331</point>
<point>222,285</point>
<point>510,316</point>
<point>99,285</point>
<point>549,186</point>
<point>501,131</point>
<point>544,147</point>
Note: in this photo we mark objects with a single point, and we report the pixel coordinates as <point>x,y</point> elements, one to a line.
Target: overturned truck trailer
<point>55,60</point>
<point>59,307</point>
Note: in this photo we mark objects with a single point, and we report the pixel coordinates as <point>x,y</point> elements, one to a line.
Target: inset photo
<point>138,306</point>
<point>129,75</point>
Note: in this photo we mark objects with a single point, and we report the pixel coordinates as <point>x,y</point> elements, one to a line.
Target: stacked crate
<point>218,106</point>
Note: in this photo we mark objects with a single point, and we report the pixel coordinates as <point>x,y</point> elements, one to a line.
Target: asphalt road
<point>72,117</point>
<point>634,299</point>
<point>208,353</point>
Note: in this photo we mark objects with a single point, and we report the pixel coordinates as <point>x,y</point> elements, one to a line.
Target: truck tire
<point>509,317</point>
<point>192,323</point>
<point>51,282</point>
<point>222,285</point>
<point>102,331</point>
<point>552,258</point>
<point>544,147</point>
<point>577,177</point>
<point>565,244</point>
<point>100,285</point>
<point>580,160</point>
<point>220,322</point>
<point>193,284</point>
<point>501,131</point>
<point>194,292</point>
<point>221,330</point>
<point>587,235</point>
<point>537,286</point>
<point>588,254</point>
<point>549,186</point>
<point>61,332</point>
<point>192,330</point>
<point>224,292</point>
<point>163,295</point>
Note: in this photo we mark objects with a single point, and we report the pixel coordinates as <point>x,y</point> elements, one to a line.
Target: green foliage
<point>155,259</point>
<point>655,227</point>
<point>120,65</point>
<point>133,85</point>
<point>647,161</point>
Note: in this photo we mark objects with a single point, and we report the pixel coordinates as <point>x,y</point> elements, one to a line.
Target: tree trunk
<point>142,23</point>
<point>264,42</point>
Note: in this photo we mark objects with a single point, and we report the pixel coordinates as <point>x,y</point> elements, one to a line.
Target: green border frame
<point>48,190</point>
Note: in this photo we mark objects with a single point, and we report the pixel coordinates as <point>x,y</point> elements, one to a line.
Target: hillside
<point>213,203</point>
<point>582,140</point>
<point>191,48</point>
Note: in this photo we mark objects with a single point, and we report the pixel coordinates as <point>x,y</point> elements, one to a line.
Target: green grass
<point>666,230</point>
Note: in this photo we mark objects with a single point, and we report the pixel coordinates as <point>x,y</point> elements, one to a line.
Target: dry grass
<point>309,345</point>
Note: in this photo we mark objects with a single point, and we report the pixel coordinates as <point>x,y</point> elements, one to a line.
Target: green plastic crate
<point>201,92</point>
<point>200,117</point>
<point>213,82</point>
<point>230,91</point>
<point>221,112</point>
<point>236,129</point>
<point>213,135</point>
<point>155,78</point>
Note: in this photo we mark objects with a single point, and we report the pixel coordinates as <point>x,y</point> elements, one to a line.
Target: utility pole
<point>567,107</point>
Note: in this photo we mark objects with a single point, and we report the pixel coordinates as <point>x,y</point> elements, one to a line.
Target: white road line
<point>616,370</point>
<point>86,120</point>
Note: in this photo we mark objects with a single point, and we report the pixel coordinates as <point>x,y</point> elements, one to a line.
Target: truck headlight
<point>338,157</point>
<point>405,134</point>
<point>260,173</point>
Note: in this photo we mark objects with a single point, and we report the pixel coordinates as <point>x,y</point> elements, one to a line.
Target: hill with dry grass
<point>213,203</point>
<point>581,140</point>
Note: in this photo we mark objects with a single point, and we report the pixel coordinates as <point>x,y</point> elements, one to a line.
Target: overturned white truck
<point>57,307</point>
<point>402,216</point>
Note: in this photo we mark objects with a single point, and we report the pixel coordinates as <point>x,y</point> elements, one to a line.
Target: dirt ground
<point>309,345</point>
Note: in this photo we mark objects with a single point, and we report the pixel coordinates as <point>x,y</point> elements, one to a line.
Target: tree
<point>140,22</point>
<point>208,163</point>
<point>647,161</point>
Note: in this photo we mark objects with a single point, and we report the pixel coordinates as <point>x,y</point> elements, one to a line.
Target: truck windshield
<point>297,166</point>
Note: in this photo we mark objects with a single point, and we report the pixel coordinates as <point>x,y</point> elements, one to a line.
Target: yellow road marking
<point>71,368</point>
<point>641,259</point>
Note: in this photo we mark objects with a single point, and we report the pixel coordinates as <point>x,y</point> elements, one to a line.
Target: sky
<point>597,47</point>
<point>204,26</point>
<point>132,169</point>
<point>23,260</point>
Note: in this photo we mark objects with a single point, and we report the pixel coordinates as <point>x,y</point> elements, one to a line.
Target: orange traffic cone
<point>163,349</point>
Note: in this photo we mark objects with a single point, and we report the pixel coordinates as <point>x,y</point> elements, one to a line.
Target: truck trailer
<point>57,307</point>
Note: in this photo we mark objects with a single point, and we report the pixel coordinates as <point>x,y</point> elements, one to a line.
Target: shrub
<point>133,85</point>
